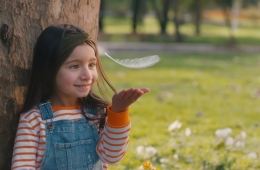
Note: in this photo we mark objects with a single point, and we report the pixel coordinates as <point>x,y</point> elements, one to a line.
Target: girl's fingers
<point>128,93</point>
<point>135,93</point>
<point>145,90</point>
<point>131,94</point>
<point>122,100</point>
<point>121,94</point>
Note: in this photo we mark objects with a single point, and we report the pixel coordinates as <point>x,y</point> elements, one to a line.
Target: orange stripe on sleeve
<point>41,149</point>
<point>22,121</point>
<point>23,160</point>
<point>27,134</point>
<point>110,156</point>
<point>30,121</point>
<point>23,166</point>
<point>24,153</point>
<point>115,138</point>
<point>38,124</point>
<point>118,132</point>
<point>25,140</point>
<point>111,144</point>
<point>29,114</point>
<point>24,147</point>
<point>110,162</point>
<point>105,148</point>
<point>28,128</point>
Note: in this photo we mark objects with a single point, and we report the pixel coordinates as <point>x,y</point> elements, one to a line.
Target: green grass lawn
<point>119,28</point>
<point>205,93</point>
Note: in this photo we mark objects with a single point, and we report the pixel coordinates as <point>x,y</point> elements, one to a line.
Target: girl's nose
<point>86,74</point>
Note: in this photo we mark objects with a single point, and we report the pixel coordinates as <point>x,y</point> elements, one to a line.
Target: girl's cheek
<point>64,80</point>
<point>67,78</point>
<point>95,76</point>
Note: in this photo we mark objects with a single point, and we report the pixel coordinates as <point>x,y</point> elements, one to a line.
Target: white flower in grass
<point>240,144</point>
<point>223,132</point>
<point>163,165</point>
<point>146,152</point>
<point>187,132</point>
<point>176,156</point>
<point>243,135</point>
<point>140,167</point>
<point>164,160</point>
<point>140,150</point>
<point>150,151</point>
<point>229,141</point>
<point>175,125</point>
<point>252,155</point>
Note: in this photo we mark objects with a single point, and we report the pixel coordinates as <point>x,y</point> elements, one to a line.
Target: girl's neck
<point>56,101</point>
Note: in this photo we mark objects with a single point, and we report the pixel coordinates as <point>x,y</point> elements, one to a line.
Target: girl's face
<point>76,76</point>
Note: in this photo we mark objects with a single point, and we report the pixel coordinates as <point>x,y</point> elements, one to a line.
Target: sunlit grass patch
<point>204,93</point>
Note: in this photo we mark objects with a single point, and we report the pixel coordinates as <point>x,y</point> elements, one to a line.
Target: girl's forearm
<point>114,138</point>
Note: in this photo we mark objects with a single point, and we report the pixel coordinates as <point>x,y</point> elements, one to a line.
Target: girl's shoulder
<point>31,114</point>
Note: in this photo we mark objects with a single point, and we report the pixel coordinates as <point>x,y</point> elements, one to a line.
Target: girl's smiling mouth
<point>83,86</point>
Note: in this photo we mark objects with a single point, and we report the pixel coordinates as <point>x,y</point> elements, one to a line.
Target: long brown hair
<point>46,65</point>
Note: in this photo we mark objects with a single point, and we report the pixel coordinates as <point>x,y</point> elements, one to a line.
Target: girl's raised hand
<point>122,100</point>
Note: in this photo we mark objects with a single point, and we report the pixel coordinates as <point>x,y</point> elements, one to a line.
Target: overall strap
<point>46,110</point>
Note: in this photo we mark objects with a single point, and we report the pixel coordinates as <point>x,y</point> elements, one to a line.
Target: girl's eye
<point>92,64</point>
<point>74,66</point>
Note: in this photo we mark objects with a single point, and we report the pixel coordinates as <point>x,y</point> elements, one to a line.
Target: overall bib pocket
<point>75,156</point>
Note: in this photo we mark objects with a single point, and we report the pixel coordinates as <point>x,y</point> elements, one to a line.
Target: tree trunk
<point>21,23</point>
<point>101,16</point>
<point>136,8</point>
<point>226,9</point>
<point>235,15</point>
<point>162,15</point>
<point>166,5</point>
<point>177,21</point>
<point>197,16</point>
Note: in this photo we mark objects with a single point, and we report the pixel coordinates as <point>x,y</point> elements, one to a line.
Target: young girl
<point>63,124</point>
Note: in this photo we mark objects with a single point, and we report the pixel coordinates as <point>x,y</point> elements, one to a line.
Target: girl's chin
<point>83,94</point>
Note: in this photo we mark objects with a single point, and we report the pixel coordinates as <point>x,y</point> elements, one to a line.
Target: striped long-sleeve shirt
<point>30,139</point>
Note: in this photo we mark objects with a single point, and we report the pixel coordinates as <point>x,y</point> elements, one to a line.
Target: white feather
<point>137,62</point>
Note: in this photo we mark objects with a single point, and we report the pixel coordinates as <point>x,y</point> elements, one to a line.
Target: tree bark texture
<point>21,22</point>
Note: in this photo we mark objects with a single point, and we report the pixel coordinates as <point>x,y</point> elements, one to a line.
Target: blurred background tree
<point>174,20</point>
<point>138,12</point>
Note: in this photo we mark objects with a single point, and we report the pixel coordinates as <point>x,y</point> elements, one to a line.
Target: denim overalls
<point>70,145</point>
